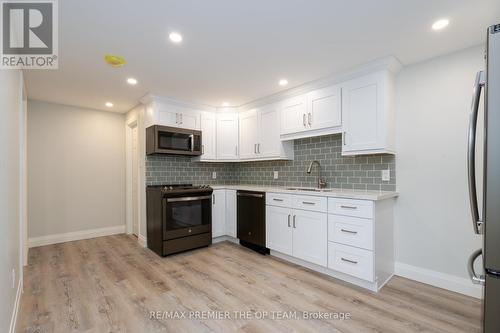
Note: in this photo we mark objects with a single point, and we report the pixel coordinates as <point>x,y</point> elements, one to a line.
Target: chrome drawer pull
<point>349,261</point>
<point>308,203</point>
<point>349,231</point>
<point>289,220</point>
<point>274,199</point>
<point>348,207</point>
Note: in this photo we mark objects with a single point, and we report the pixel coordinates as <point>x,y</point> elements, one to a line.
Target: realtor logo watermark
<point>29,34</point>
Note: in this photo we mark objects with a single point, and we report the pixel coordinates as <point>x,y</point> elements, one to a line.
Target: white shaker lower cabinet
<point>348,239</point>
<point>279,229</point>
<point>310,236</point>
<point>231,213</point>
<point>218,213</point>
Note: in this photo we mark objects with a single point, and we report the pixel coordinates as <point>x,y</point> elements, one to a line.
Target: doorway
<point>135,182</point>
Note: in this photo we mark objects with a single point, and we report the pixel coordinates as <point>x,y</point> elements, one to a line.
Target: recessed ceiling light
<point>225,104</point>
<point>131,81</point>
<point>283,82</point>
<point>440,24</point>
<point>175,37</point>
<point>109,104</point>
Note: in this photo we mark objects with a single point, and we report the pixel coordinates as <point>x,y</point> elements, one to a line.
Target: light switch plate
<point>386,175</point>
<point>214,175</point>
<point>275,176</point>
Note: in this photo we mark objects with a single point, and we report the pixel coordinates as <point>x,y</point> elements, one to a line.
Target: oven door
<point>187,215</point>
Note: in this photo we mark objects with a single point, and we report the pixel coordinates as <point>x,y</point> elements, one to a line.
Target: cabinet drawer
<point>353,231</point>
<point>351,207</point>
<point>351,260</point>
<point>279,199</point>
<point>307,202</point>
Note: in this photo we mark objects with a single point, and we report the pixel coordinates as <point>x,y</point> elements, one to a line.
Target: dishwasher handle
<point>250,195</point>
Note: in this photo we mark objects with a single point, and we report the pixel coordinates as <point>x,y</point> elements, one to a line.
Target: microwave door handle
<point>471,152</point>
<point>191,139</point>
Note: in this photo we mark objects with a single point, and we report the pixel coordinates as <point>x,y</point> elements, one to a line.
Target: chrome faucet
<point>320,182</point>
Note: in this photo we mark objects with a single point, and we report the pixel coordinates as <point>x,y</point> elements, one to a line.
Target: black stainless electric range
<point>179,217</point>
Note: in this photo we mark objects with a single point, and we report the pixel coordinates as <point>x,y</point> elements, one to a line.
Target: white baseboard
<point>142,240</point>
<point>15,310</point>
<point>225,238</point>
<point>75,235</point>
<point>440,280</point>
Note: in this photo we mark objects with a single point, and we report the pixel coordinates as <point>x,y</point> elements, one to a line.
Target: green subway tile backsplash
<point>348,172</point>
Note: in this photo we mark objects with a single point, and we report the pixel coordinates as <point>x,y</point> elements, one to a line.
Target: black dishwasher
<point>251,225</point>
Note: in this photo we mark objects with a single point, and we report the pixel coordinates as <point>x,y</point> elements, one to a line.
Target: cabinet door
<point>324,108</point>
<point>208,148</point>
<point>293,115</point>
<point>279,229</point>
<point>362,112</point>
<point>310,237</point>
<point>168,117</point>
<point>218,213</point>
<point>227,136</point>
<point>269,143</point>
<point>249,131</point>
<point>231,213</point>
<point>189,120</point>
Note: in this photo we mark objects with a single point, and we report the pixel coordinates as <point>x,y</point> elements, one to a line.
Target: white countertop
<point>336,193</point>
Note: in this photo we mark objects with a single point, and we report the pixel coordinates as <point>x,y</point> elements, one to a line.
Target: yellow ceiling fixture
<point>114,60</point>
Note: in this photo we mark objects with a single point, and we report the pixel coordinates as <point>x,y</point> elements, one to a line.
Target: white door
<point>279,229</point>
<point>135,183</point>
<point>310,236</point>
<point>231,213</point>
<point>361,108</point>
<point>218,213</point>
<point>249,132</point>
<point>208,147</point>
<point>227,136</point>
<point>168,117</point>
<point>293,115</point>
<point>325,108</point>
<point>269,143</point>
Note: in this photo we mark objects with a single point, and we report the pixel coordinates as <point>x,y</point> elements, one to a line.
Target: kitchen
<point>231,189</point>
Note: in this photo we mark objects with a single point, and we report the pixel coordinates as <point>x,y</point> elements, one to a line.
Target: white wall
<point>434,235</point>
<point>76,169</point>
<point>10,106</point>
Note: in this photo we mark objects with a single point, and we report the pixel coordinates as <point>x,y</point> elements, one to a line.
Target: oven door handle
<point>189,198</point>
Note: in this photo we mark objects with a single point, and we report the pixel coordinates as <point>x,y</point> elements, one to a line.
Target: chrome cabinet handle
<point>176,118</point>
<point>294,221</point>
<point>476,279</point>
<point>213,199</point>
<point>344,135</point>
<point>304,120</point>
<point>289,220</point>
<point>471,152</point>
<point>274,199</point>
<point>309,120</point>
<point>348,207</point>
<point>255,148</point>
<point>182,120</point>
<point>349,231</point>
<point>308,203</point>
<point>349,261</point>
<point>258,148</point>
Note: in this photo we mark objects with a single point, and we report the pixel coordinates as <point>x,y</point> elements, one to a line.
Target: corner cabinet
<point>259,137</point>
<point>218,213</point>
<point>208,124</point>
<point>368,115</point>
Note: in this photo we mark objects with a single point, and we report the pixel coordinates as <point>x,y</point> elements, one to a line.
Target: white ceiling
<point>237,51</point>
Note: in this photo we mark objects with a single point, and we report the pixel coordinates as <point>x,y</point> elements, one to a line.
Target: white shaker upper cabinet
<point>270,144</point>
<point>227,136</point>
<point>324,108</point>
<point>368,115</point>
<point>249,134</point>
<point>177,117</point>
<point>208,139</point>
<point>294,115</point>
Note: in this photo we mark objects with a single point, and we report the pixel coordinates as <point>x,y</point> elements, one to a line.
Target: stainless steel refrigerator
<point>487,81</point>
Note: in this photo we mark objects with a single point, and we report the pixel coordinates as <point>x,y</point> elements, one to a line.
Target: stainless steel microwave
<point>172,141</point>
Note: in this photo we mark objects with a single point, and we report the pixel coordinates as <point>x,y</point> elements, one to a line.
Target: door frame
<point>130,125</point>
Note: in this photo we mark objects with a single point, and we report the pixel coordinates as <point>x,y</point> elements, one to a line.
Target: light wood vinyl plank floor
<point>111,284</point>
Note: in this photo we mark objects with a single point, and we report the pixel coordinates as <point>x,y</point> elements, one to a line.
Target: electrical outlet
<point>214,175</point>
<point>275,176</point>
<point>386,175</point>
<point>13,278</point>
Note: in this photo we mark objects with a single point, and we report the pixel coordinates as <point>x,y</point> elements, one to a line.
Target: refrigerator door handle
<point>476,279</point>
<point>471,152</point>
